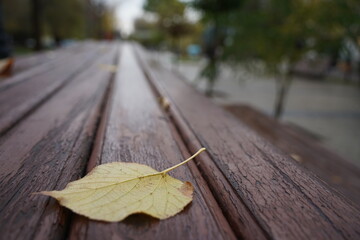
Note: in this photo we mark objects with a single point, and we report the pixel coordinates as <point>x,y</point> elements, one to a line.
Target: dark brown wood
<point>27,67</point>
<point>30,61</point>
<point>21,76</point>
<point>327,165</point>
<point>45,151</point>
<point>285,200</point>
<point>240,218</point>
<point>62,122</point>
<point>138,131</point>
<point>16,101</point>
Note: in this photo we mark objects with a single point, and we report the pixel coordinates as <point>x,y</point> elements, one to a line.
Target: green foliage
<point>59,19</point>
<point>100,20</point>
<point>17,19</point>
<point>172,27</point>
<point>147,33</point>
<point>274,32</point>
<point>282,31</point>
<point>65,18</point>
<point>171,17</point>
<point>216,13</point>
<point>336,20</point>
<point>216,7</point>
<point>165,8</point>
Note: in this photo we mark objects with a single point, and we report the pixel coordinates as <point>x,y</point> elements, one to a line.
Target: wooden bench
<point>23,92</point>
<point>32,64</point>
<point>305,149</point>
<point>244,186</point>
<point>25,62</point>
<point>47,142</point>
<point>262,192</point>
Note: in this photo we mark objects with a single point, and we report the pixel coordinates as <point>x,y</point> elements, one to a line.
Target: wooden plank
<point>327,165</point>
<point>237,213</point>
<point>45,151</point>
<point>285,201</point>
<point>25,62</point>
<point>30,68</point>
<point>16,101</point>
<point>138,131</point>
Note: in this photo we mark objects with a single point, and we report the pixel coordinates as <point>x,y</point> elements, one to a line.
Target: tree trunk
<point>281,94</point>
<point>57,39</point>
<point>5,44</point>
<point>212,54</point>
<point>36,23</point>
<point>210,88</point>
<point>358,73</point>
<point>212,76</point>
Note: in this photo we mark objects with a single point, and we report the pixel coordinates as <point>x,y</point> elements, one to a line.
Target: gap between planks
<point>191,143</point>
<point>32,108</point>
<point>98,146</point>
<point>192,140</point>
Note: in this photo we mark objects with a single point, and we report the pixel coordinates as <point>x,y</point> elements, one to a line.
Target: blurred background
<point>295,60</point>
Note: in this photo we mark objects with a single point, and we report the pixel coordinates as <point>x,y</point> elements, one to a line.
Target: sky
<point>126,12</point>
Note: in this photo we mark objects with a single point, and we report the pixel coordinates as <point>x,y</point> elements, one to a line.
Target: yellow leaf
<point>164,102</point>
<point>6,67</point>
<point>113,191</point>
<point>108,67</point>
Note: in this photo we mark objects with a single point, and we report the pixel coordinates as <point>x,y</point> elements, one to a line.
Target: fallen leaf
<point>296,157</point>
<point>6,67</point>
<point>164,102</point>
<point>108,67</point>
<point>336,179</point>
<point>113,191</point>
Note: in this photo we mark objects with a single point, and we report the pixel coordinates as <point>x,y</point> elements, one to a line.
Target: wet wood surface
<point>45,151</point>
<point>19,99</point>
<point>30,61</point>
<point>60,121</point>
<point>28,66</point>
<point>304,149</point>
<point>285,200</point>
<point>137,130</point>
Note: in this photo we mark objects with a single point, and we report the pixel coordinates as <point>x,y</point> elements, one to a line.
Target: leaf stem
<point>190,158</point>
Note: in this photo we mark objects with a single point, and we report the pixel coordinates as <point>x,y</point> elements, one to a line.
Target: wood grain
<point>45,151</point>
<point>16,101</point>
<point>26,67</point>
<point>240,218</point>
<point>285,200</point>
<point>33,60</point>
<point>327,165</point>
<point>138,131</point>
<point>65,120</point>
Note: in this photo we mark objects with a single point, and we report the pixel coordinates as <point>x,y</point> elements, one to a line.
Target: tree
<point>100,20</point>
<point>147,33</point>
<point>64,19</point>
<point>5,45</point>
<point>273,35</point>
<point>216,13</point>
<point>36,17</point>
<point>343,24</point>
<point>171,19</point>
<point>269,35</point>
